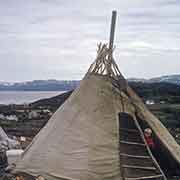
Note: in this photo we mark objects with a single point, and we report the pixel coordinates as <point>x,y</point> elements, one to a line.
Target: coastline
<point>25,97</point>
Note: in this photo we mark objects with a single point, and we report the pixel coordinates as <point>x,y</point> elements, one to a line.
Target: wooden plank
<point>139,167</point>
<point>132,143</point>
<point>145,177</point>
<point>135,156</point>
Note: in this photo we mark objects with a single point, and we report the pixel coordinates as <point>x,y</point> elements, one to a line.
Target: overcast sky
<point>57,39</point>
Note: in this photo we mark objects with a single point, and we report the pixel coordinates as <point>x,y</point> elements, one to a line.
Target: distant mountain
<point>2,83</point>
<point>175,79</point>
<point>39,85</point>
<point>137,80</point>
<point>62,85</point>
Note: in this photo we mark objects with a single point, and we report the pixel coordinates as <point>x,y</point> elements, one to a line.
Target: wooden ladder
<point>136,159</point>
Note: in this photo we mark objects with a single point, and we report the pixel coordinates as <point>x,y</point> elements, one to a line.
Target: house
<point>150,102</point>
<point>11,118</point>
<point>2,116</point>
<point>33,114</point>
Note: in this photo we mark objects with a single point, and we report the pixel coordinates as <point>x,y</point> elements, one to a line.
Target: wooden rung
<point>139,167</point>
<point>129,130</point>
<point>145,177</point>
<point>132,143</point>
<point>135,156</point>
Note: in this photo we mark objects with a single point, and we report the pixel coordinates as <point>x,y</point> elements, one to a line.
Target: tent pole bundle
<point>104,63</point>
<point>97,133</point>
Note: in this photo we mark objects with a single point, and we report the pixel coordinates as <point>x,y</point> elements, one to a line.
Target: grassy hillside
<point>170,93</point>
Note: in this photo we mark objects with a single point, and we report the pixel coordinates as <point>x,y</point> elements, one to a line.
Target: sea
<point>25,97</point>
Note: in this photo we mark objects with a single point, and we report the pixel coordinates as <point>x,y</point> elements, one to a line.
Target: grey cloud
<point>57,39</point>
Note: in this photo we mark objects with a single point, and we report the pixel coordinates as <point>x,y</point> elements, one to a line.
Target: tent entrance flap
<point>135,157</point>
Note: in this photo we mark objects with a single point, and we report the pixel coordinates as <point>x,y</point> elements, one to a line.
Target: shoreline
<point>25,97</point>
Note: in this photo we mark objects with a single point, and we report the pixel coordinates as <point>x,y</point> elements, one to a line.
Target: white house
<point>47,111</point>
<point>2,116</point>
<point>33,114</point>
<point>11,118</point>
<point>22,139</point>
<point>150,102</point>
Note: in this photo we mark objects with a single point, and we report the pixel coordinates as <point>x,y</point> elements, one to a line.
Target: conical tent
<point>82,140</point>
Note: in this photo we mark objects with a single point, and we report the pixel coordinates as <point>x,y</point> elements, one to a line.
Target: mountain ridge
<point>64,85</point>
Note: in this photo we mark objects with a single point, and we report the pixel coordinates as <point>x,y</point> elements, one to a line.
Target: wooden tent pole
<point>111,41</point>
<point>113,24</point>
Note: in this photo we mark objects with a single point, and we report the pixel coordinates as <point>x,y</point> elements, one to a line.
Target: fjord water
<point>21,97</point>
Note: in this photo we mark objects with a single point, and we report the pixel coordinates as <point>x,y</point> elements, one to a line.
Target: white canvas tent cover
<point>81,140</point>
<point>6,142</point>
